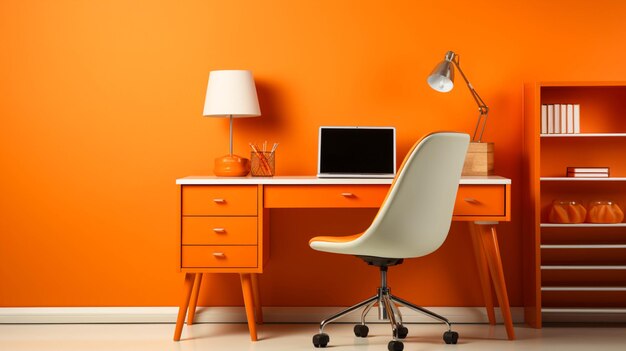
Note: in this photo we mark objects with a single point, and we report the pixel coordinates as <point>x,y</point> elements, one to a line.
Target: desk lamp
<point>231,93</point>
<point>441,79</point>
<point>479,160</point>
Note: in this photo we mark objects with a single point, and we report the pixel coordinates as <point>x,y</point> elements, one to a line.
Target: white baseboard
<point>52,315</point>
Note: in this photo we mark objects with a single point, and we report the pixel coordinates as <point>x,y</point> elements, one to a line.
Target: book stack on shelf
<point>588,172</point>
<point>560,119</point>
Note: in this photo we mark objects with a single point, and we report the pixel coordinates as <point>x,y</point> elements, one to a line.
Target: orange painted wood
<point>248,300</point>
<point>219,231</point>
<point>531,274</point>
<point>601,105</point>
<point>219,256</point>
<point>483,272</point>
<point>494,261</point>
<point>219,200</point>
<point>324,196</point>
<point>193,301</point>
<point>583,278</point>
<point>256,293</point>
<point>480,200</point>
<point>184,302</point>
<point>584,299</point>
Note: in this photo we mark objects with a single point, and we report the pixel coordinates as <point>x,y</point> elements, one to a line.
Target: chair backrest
<point>415,217</point>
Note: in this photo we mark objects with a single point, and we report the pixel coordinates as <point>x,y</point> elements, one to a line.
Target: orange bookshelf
<point>574,269</point>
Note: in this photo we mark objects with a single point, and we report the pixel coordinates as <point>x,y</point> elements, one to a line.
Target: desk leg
<point>489,238</point>
<point>193,302</point>
<point>483,272</point>
<point>256,294</point>
<point>248,300</point>
<point>184,302</point>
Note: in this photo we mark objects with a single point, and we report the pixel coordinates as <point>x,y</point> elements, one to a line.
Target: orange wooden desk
<point>224,229</point>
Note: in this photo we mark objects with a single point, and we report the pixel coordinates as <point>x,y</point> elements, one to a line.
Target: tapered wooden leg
<point>248,300</point>
<point>256,294</point>
<point>483,272</point>
<point>494,261</point>
<point>193,302</point>
<point>184,302</point>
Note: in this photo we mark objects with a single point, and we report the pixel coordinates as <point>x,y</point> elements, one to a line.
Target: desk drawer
<point>324,196</point>
<point>219,231</point>
<point>480,200</point>
<point>219,256</point>
<point>220,200</point>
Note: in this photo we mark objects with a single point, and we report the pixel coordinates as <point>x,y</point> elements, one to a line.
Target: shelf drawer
<point>219,256</point>
<point>219,200</point>
<point>219,231</point>
<point>480,200</point>
<point>324,196</point>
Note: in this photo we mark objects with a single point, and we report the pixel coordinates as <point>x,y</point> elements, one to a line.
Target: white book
<point>550,119</point>
<point>544,119</point>
<point>563,118</point>
<point>570,118</point>
<point>576,118</point>
<point>557,119</point>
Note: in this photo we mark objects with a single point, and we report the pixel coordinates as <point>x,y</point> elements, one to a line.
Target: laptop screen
<point>357,152</point>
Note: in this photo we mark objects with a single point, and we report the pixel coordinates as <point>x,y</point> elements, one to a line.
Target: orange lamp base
<point>231,166</point>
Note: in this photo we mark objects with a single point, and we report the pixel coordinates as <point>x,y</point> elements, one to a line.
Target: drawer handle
<point>219,230</point>
<point>471,200</point>
<point>219,201</point>
<point>347,194</point>
<point>219,255</point>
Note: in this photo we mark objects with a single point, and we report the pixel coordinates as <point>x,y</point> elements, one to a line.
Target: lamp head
<point>441,78</point>
<point>231,93</point>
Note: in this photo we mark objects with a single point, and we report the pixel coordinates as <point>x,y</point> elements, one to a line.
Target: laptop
<point>356,152</point>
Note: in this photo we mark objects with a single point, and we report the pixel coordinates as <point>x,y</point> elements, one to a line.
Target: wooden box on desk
<point>479,159</point>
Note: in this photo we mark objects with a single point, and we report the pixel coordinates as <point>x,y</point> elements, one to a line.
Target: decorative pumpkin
<point>605,212</point>
<point>567,212</point>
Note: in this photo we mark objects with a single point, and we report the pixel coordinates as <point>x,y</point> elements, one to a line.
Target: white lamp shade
<point>442,77</point>
<point>231,93</point>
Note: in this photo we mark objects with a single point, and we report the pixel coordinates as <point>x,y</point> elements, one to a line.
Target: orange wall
<point>101,106</point>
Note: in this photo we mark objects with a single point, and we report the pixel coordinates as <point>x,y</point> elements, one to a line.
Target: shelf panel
<point>582,179</point>
<point>582,267</point>
<point>607,246</point>
<point>583,288</point>
<point>582,225</point>
<point>582,310</point>
<point>584,135</point>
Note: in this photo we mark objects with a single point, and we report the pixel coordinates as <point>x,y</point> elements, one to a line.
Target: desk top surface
<point>306,180</point>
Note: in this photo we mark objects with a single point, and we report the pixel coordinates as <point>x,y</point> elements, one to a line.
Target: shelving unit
<point>574,269</point>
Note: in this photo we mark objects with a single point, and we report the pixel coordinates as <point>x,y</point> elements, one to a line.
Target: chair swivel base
<point>387,311</point>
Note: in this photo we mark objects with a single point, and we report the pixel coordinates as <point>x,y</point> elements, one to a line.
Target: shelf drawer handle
<point>219,201</point>
<point>219,230</point>
<point>347,194</point>
<point>471,200</point>
<point>219,255</point>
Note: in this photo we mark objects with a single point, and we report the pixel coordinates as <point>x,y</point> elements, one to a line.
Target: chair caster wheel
<point>320,340</point>
<point>450,337</point>
<point>402,332</point>
<point>395,346</point>
<point>361,330</point>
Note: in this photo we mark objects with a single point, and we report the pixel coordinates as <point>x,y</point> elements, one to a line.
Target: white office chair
<point>413,221</point>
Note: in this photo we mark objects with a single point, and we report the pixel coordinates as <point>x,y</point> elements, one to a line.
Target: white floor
<point>293,337</point>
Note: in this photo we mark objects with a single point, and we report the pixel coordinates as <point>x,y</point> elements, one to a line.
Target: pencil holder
<point>262,164</point>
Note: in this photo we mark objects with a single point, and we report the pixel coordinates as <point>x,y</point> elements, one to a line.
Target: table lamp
<point>232,94</point>
<point>479,160</point>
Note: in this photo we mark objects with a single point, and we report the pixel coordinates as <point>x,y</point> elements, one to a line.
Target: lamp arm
<point>483,109</point>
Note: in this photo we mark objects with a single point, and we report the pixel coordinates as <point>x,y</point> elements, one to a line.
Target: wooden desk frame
<point>481,201</point>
